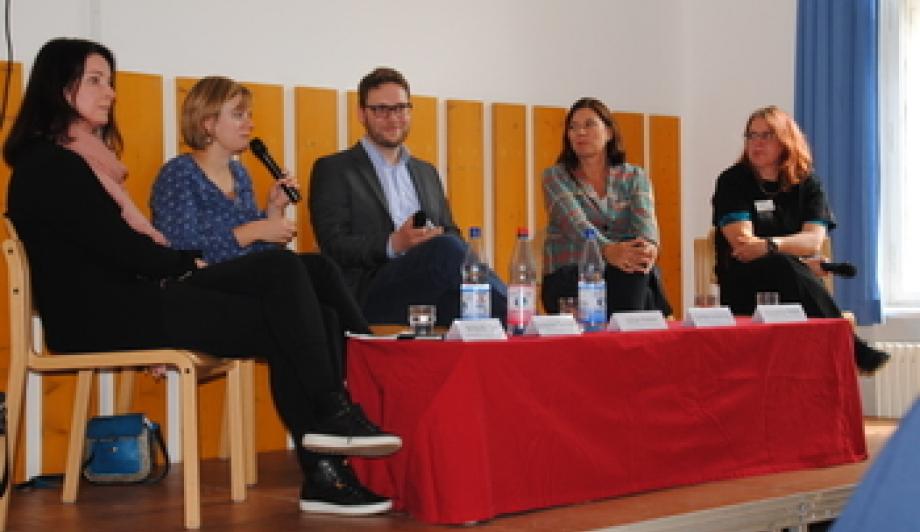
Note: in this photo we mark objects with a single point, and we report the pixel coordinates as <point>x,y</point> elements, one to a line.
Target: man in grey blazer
<point>362,204</point>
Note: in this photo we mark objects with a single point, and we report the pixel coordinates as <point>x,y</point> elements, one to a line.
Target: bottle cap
<point>590,233</point>
<point>523,232</point>
<point>474,231</point>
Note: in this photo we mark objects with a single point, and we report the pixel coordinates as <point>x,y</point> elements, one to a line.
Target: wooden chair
<point>193,368</point>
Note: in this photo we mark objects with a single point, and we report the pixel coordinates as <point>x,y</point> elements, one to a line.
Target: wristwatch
<point>772,248</point>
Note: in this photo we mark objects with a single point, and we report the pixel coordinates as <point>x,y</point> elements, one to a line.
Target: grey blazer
<point>350,215</point>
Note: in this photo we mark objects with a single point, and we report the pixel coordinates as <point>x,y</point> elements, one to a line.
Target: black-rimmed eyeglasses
<point>383,110</point>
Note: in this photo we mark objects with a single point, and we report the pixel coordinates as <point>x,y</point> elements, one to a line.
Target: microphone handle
<point>276,172</point>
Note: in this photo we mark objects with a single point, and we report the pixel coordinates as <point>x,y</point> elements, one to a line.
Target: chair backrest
<point>22,310</point>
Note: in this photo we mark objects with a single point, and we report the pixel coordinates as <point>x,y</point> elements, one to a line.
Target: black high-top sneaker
<point>333,488</point>
<point>345,430</point>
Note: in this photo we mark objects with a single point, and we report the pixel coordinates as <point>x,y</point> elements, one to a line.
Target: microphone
<point>261,152</point>
<point>843,269</point>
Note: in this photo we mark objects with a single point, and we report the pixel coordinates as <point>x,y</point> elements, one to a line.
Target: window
<point>899,95</point>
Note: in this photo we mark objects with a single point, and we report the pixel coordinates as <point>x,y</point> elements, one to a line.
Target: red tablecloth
<point>497,427</point>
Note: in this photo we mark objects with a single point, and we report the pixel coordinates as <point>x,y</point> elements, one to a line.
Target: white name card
<point>782,313</point>
<point>555,325</point>
<point>709,317</point>
<point>471,330</point>
<point>642,320</point>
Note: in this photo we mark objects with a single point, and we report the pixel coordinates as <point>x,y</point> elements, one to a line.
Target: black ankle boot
<point>868,359</point>
<point>331,487</point>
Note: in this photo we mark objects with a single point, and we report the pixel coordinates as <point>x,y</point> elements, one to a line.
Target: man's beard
<point>387,143</point>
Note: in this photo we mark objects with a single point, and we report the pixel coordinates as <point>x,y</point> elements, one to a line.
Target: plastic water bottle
<point>522,285</point>
<point>475,297</point>
<point>592,288</point>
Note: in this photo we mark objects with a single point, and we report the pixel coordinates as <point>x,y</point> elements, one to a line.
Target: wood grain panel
<point>268,116</point>
<point>140,113</point>
<point>353,129</point>
<point>665,173</point>
<point>548,128</point>
<point>423,133</point>
<point>12,110</point>
<point>465,165</point>
<point>316,133</point>
<point>632,127</point>
<point>509,171</point>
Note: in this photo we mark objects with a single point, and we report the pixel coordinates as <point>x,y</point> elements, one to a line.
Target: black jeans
<point>739,283</point>
<point>625,291</point>
<point>267,305</point>
<point>427,274</point>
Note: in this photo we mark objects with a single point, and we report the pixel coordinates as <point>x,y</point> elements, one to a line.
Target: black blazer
<point>95,279</point>
<point>350,215</point>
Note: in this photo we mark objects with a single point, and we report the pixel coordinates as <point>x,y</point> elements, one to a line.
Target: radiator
<point>893,389</point>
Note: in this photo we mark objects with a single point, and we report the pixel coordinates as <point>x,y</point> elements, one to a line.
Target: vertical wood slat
<point>548,128</point>
<point>465,164</point>
<point>316,133</point>
<point>140,113</point>
<point>423,133</point>
<point>268,115</point>
<point>632,128</point>
<point>353,128</point>
<point>509,173</point>
<point>12,110</point>
<point>664,171</point>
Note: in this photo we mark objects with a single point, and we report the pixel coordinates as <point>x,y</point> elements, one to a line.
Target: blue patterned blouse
<point>193,213</point>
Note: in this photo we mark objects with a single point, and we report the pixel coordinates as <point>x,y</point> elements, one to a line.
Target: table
<point>498,427</point>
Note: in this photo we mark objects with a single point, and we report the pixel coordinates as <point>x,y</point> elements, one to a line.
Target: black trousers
<point>625,291</point>
<point>739,283</point>
<point>270,305</point>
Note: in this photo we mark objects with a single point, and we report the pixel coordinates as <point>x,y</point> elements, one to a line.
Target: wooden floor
<point>272,504</point>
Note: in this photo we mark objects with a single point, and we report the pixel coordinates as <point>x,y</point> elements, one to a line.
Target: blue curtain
<point>836,104</point>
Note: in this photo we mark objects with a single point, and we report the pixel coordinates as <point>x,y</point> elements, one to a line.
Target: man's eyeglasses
<point>764,135</point>
<point>384,110</point>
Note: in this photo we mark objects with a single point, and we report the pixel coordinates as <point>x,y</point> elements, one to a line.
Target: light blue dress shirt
<point>402,199</point>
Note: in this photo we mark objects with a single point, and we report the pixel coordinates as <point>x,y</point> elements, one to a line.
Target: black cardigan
<point>97,282</point>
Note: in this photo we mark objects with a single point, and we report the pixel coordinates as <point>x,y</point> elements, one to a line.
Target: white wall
<point>709,61</point>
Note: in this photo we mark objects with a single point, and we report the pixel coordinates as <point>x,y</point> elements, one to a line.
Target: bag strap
<point>156,442</point>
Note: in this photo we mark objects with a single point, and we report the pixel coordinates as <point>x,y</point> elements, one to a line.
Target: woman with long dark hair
<point>593,187</point>
<point>104,279</point>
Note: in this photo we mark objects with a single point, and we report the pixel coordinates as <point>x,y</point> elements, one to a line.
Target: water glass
<point>767,298</point>
<point>568,305</point>
<point>421,319</point>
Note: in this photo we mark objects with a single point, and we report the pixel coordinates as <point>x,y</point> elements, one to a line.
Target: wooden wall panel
<point>268,116</point>
<point>465,165</point>
<point>548,128</point>
<point>316,134</point>
<point>12,110</point>
<point>509,171</point>
<point>353,128</point>
<point>664,170</point>
<point>140,113</point>
<point>423,133</point>
<point>632,127</point>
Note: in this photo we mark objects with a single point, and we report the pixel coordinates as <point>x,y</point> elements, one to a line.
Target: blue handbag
<point>122,449</point>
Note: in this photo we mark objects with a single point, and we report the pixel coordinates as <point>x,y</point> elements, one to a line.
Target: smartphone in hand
<point>419,219</point>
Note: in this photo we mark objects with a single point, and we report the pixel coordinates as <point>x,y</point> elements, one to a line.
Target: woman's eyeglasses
<point>760,135</point>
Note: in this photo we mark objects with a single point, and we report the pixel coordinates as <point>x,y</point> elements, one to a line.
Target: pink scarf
<point>111,174</point>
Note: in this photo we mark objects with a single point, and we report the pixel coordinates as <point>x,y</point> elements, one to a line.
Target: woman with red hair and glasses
<point>771,218</point>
